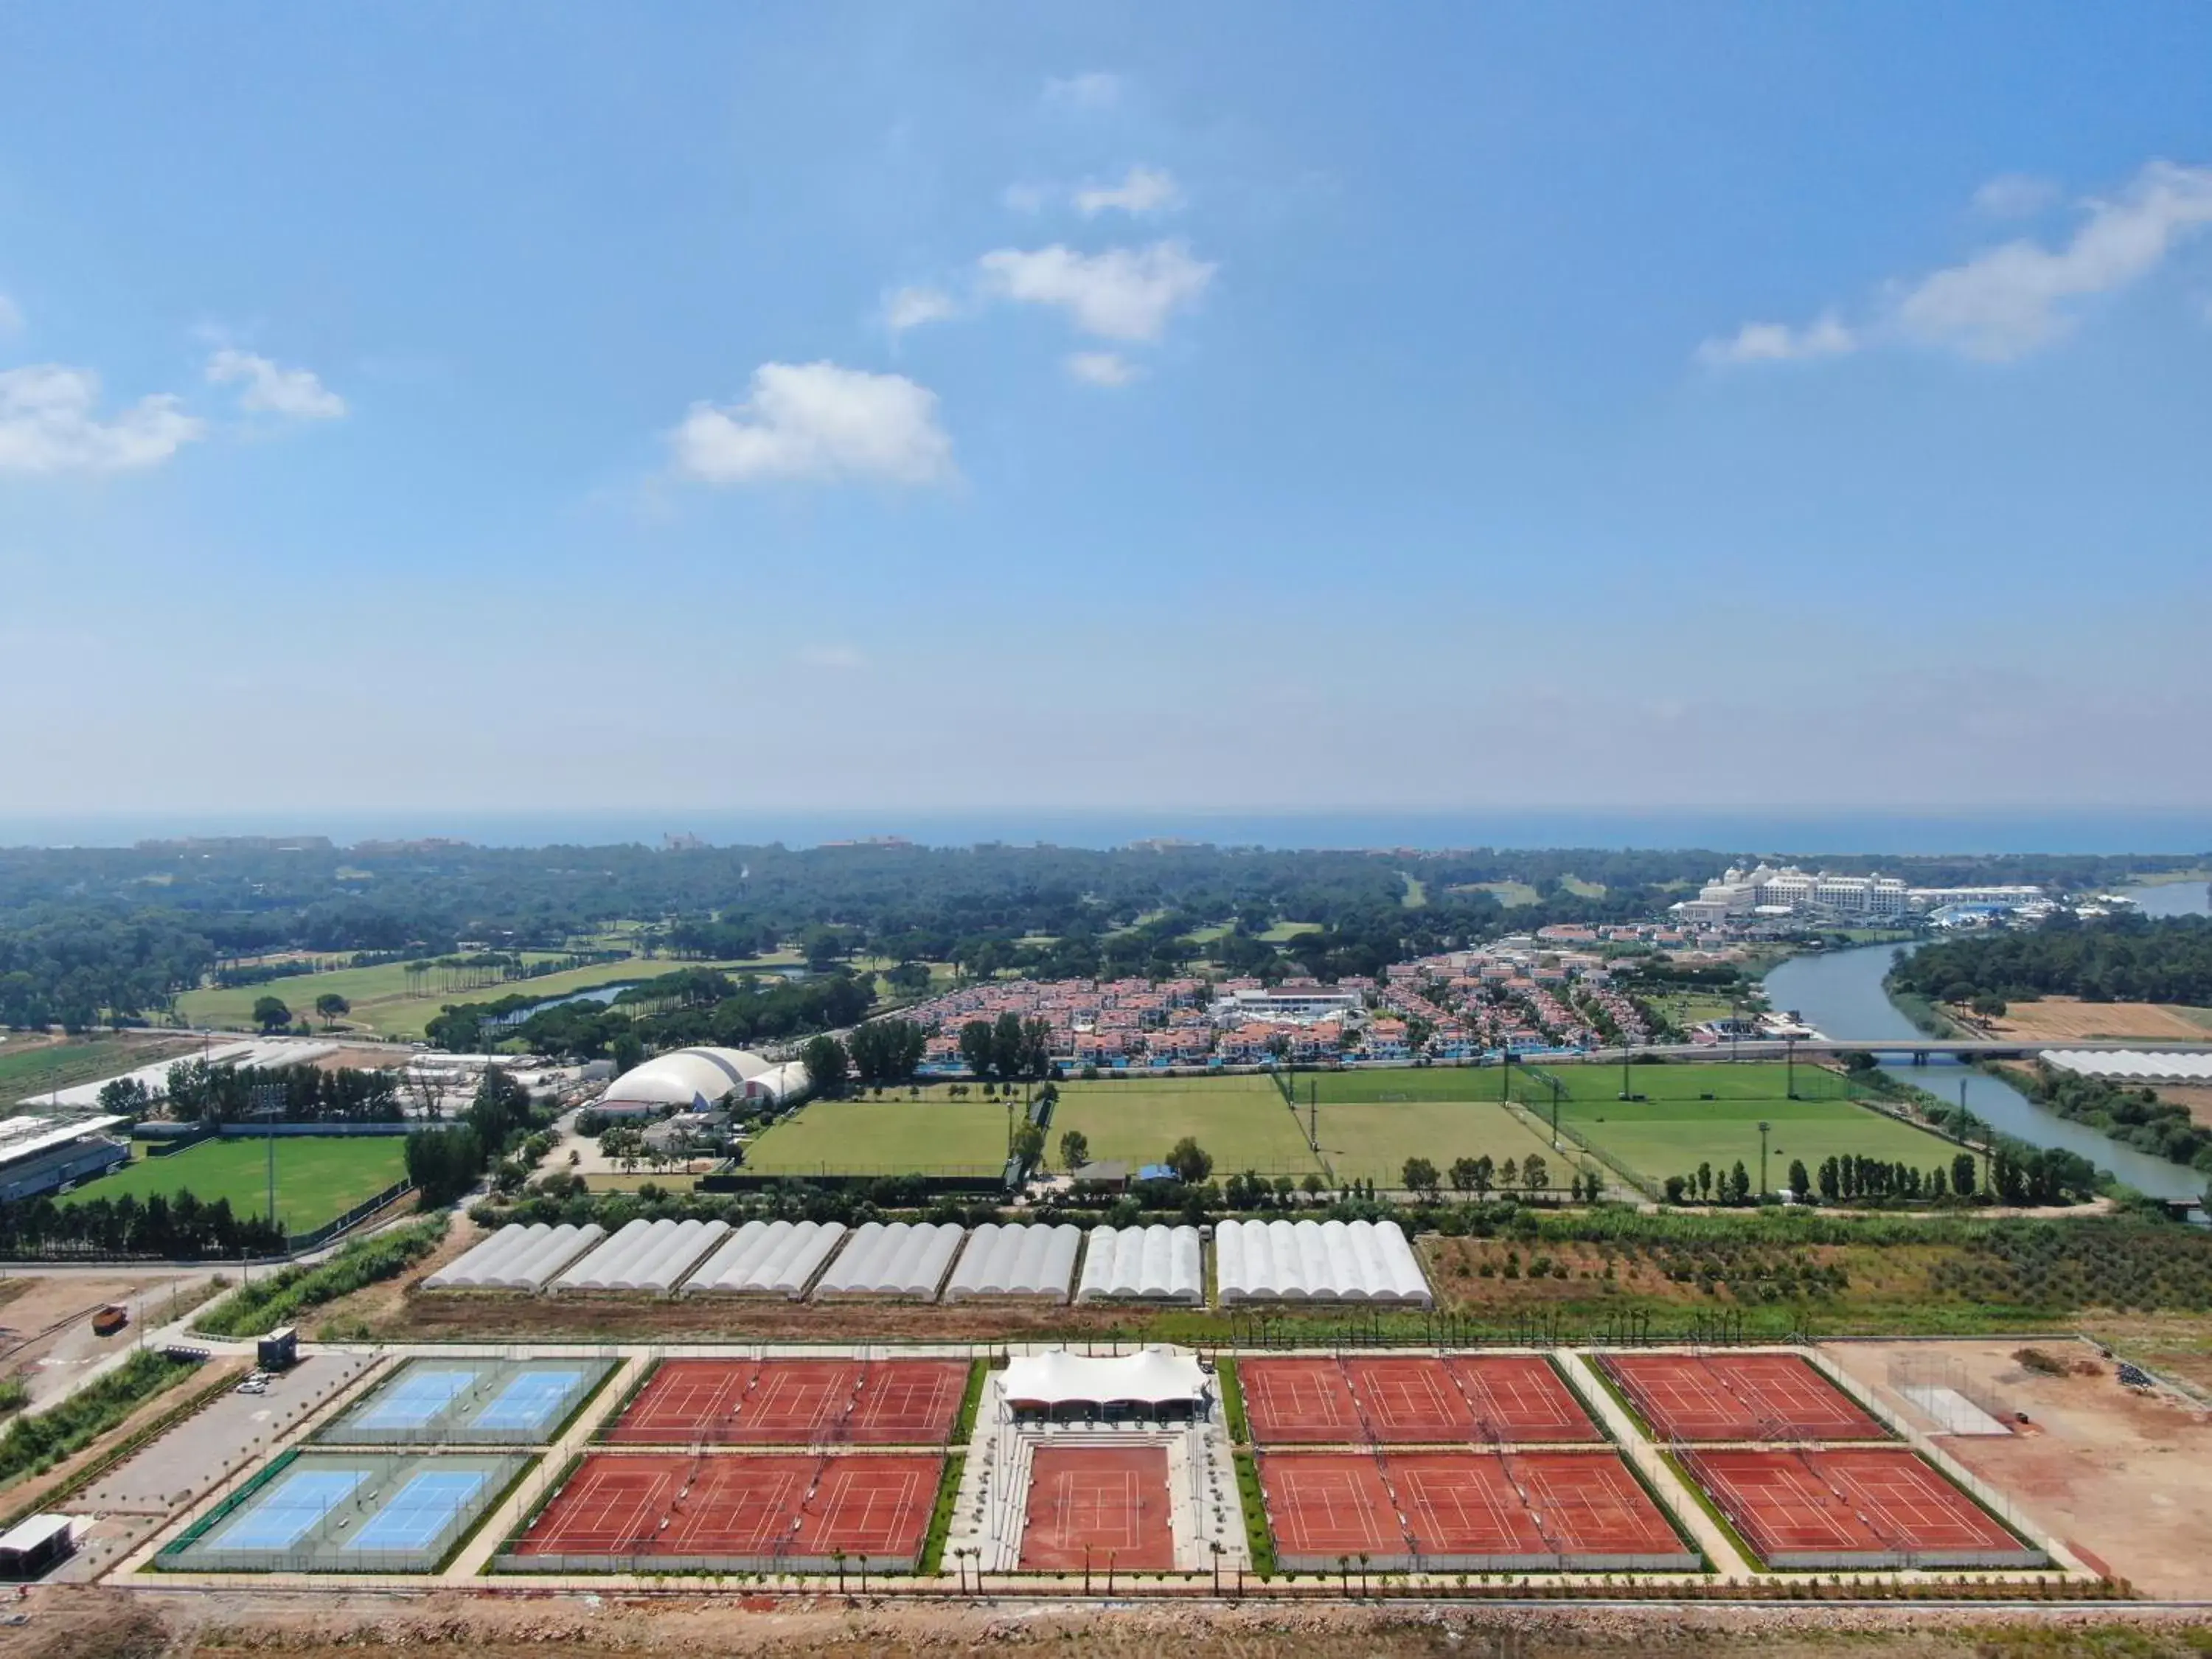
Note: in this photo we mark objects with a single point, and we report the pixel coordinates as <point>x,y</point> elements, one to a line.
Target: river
<point>1838,993</point>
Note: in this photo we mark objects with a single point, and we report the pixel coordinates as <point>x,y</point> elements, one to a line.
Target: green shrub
<point>280,1298</point>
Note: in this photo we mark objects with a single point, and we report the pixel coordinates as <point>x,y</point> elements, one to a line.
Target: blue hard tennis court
<point>416,1398</point>
<point>290,1510</point>
<point>528,1401</point>
<point>421,1511</point>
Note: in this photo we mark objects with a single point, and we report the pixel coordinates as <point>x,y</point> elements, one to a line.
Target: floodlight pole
<point>1763,1126</point>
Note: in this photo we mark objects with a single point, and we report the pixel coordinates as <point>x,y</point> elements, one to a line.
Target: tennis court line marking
<point>1728,1560</point>
<point>469,1565</point>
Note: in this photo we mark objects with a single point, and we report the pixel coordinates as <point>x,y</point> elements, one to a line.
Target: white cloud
<point>49,423</point>
<point>2009,301</point>
<point>910,308</point>
<point>835,659</point>
<point>1094,90</point>
<point>818,421</point>
<point>271,389</point>
<point>1102,369</point>
<point>11,316</point>
<point>1146,190</point>
<point>1026,197</point>
<point>2006,301</point>
<point>1777,343</point>
<point>2015,196</point>
<point>1123,294</point>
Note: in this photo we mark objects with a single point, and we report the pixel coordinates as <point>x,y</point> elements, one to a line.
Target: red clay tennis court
<point>1410,1401</point>
<point>1528,1512</point>
<point>1738,1397</point>
<point>1858,1506</point>
<point>1112,1499</point>
<point>621,1505</point>
<point>1521,1399</point>
<point>794,1402</point>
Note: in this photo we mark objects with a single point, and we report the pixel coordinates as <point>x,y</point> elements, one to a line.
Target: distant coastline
<point>1807,831</point>
<point>2155,830</point>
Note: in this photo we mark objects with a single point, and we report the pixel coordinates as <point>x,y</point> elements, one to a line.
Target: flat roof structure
<point>346,1511</point>
<point>466,1401</point>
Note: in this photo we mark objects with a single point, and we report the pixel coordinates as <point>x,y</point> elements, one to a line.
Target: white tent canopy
<point>1153,1377</point>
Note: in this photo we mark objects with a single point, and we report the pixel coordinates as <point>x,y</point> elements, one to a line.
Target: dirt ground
<point>45,1326</point>
<point>2059,1017</point>
<point>99,1624</point>
<point>2117,1474</point>
<point>2198,1100</point>
<point>435,1315</point>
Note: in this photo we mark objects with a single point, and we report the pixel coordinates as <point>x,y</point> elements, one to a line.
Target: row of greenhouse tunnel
<point>1332,1262</point>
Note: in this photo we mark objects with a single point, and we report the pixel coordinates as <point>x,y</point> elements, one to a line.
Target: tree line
<point>2122,958</point>
<point>180,1228</point>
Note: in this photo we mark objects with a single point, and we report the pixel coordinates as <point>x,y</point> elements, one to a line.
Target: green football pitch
<point>317,1178</point>
<point>1675,1128</point>
<point>935,1135</point>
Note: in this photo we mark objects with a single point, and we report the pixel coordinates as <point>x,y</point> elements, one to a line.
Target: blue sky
<point>481,407</point>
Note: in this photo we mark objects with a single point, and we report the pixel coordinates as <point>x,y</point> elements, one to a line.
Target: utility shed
<point>31,1548</point>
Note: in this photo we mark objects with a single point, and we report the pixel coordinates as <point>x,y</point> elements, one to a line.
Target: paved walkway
<point>1728,1560</point>
<point>495,1529</point>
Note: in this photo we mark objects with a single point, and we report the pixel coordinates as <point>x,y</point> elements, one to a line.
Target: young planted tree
<point>1074,1149</point>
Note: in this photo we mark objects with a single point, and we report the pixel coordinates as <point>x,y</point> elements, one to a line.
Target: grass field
<point>317,1180</point>
<point>1372,1141</point>
<point>27,1071</point>
<point>885,1137</point>
<point>382,1005</point>
<point>1687,1008</point>
<point>1398,1083</point>
<point>1240,1121</point>
<point>1671,1131</point>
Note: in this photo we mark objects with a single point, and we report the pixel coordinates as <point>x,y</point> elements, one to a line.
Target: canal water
<point>1838,994</point>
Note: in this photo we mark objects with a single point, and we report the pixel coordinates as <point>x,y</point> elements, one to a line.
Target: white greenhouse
<point>645,1255</point>
<point>1150,1264</point>
<point>768,1258</point>
<point>903,1259</point>
<point>516,1258</point>
<point>1027,1262</point>
<point>1317,1261</point>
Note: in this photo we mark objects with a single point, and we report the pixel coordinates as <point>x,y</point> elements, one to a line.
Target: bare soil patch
<point>2117,1473</point>
<point>2056,1018</point>
<point>2197,1100</point>
<point>75,1623</point>
<point>438,1315</point>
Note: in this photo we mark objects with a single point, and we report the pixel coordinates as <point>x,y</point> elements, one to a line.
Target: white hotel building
<point>1788,890</point>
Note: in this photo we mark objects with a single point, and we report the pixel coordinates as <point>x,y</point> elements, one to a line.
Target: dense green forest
<point>2120,959</point>
<point>90,933</point>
